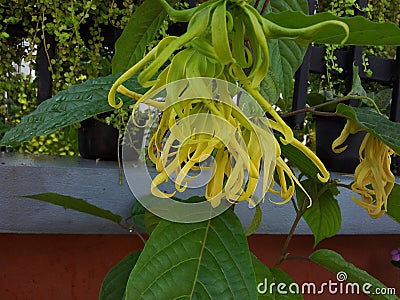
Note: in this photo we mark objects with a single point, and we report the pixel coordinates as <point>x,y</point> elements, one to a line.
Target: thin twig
<point>294,205</point>
<point>131,229</point>
<point>347,186</point>
<point>264,7</point>
<point>313,110</point>
<point>284,251</point>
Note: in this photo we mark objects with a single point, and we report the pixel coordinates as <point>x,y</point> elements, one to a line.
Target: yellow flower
<point>373,179</point>
<point>213,47</point>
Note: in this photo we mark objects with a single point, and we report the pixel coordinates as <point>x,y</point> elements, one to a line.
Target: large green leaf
<point>323,216</point>
<point>138,33</point>
<point>289,5</point>
<point>73,105</point>
<point>286,57</point>
<point>272,85</point>
<point>268,279</point>
<point>362,31</point>
<point>335,263</point>
<point>114,284</point>
<point>376,124</point>
<point>76,204</point>
<point>205,260</point>
<point>393,204</point>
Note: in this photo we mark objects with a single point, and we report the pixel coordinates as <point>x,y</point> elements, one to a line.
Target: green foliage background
<point>23,25</point>
<point>78,56</point>
<point>377,11</point>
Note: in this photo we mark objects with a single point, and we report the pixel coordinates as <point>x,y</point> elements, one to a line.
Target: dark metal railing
<point>384,70</point>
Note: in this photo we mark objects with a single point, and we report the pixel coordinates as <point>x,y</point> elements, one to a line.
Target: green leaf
<point>138,33</point>
<point>376,124</point>
<point>272,277</point>
<point>362,31</point>
<point>335,263</point>
<point>255,223</point>
<point>357,88</point>
<point>73,105</point>
<point>287,58</point>
<point>114,284</point>
<point>137,213</point>
<point>393,204</point>
<point>205,260</point>
<point>77,205</point>
<point>383,99</point>
<point>150,222</point>
<point>272,85</point>
<point>289,5</point>
<point>323,216</point>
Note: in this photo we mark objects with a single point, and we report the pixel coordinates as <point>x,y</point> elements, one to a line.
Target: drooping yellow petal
<point>373,180</point>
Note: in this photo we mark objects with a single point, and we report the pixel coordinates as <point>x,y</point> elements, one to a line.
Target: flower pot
<point>327,130</point>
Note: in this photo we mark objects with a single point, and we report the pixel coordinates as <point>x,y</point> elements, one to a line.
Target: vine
<point>81,52</point>
<point>377,11</point>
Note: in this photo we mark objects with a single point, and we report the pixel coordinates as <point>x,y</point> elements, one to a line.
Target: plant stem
<point>299,214</point>
<point>132,229</point>
<point>294,205</point>
<point>297,258</point>
<point>312,109</point>
<point>284,251</point>
<point>347,186</point>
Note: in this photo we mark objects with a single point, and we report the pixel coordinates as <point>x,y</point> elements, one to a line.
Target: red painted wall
<point>73,266</point>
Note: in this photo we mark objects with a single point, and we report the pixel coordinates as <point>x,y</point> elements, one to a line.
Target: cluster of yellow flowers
<point>226,43</point>
<point>373,179</point>
<point>225,40</point>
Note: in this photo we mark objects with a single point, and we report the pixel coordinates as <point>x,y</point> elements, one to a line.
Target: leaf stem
<point>284,251</point>
<point>132,229</point>
<point>297,258</point>
<point>347,186</point>
<point>313,110</point>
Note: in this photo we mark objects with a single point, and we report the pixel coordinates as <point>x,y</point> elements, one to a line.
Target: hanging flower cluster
<point>373,179</point>
<point>225,40</point>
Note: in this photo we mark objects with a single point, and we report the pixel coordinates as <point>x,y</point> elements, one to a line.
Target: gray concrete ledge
<point>98,183</point>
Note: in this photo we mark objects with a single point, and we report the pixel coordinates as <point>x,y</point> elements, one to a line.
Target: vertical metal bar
<point>44,74</point>
<point>300,90</point>
<point>301,82</point>
<point>395,105</point>
<point>356,59</point>
<point>355,54</point>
